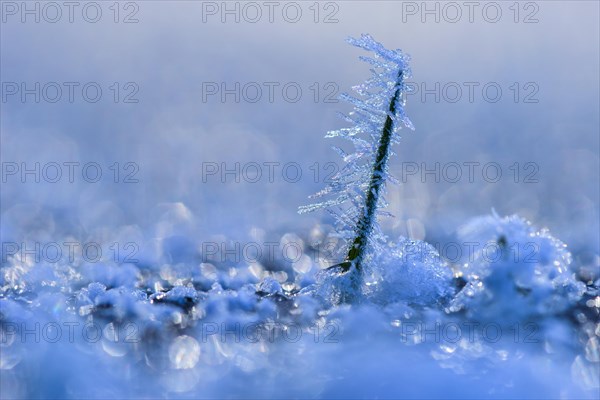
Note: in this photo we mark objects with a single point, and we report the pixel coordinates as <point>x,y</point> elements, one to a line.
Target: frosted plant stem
<point>356,193</point>
<point>364,227</point>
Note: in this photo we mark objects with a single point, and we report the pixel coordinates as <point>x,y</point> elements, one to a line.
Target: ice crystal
<point>355,195</point>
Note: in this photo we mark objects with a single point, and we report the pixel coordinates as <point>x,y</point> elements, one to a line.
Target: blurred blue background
<point>544,56</point>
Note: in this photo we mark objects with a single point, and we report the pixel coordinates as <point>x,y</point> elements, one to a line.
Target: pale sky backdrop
<point>178,49</point>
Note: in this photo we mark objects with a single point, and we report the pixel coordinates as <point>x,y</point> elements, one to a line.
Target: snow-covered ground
<point>515,329</point>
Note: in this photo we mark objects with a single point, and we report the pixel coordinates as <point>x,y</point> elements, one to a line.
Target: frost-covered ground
<point>169,277</point>
<point>513,328</point>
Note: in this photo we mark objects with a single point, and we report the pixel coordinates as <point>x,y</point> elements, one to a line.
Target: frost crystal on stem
<point>355,195</point>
